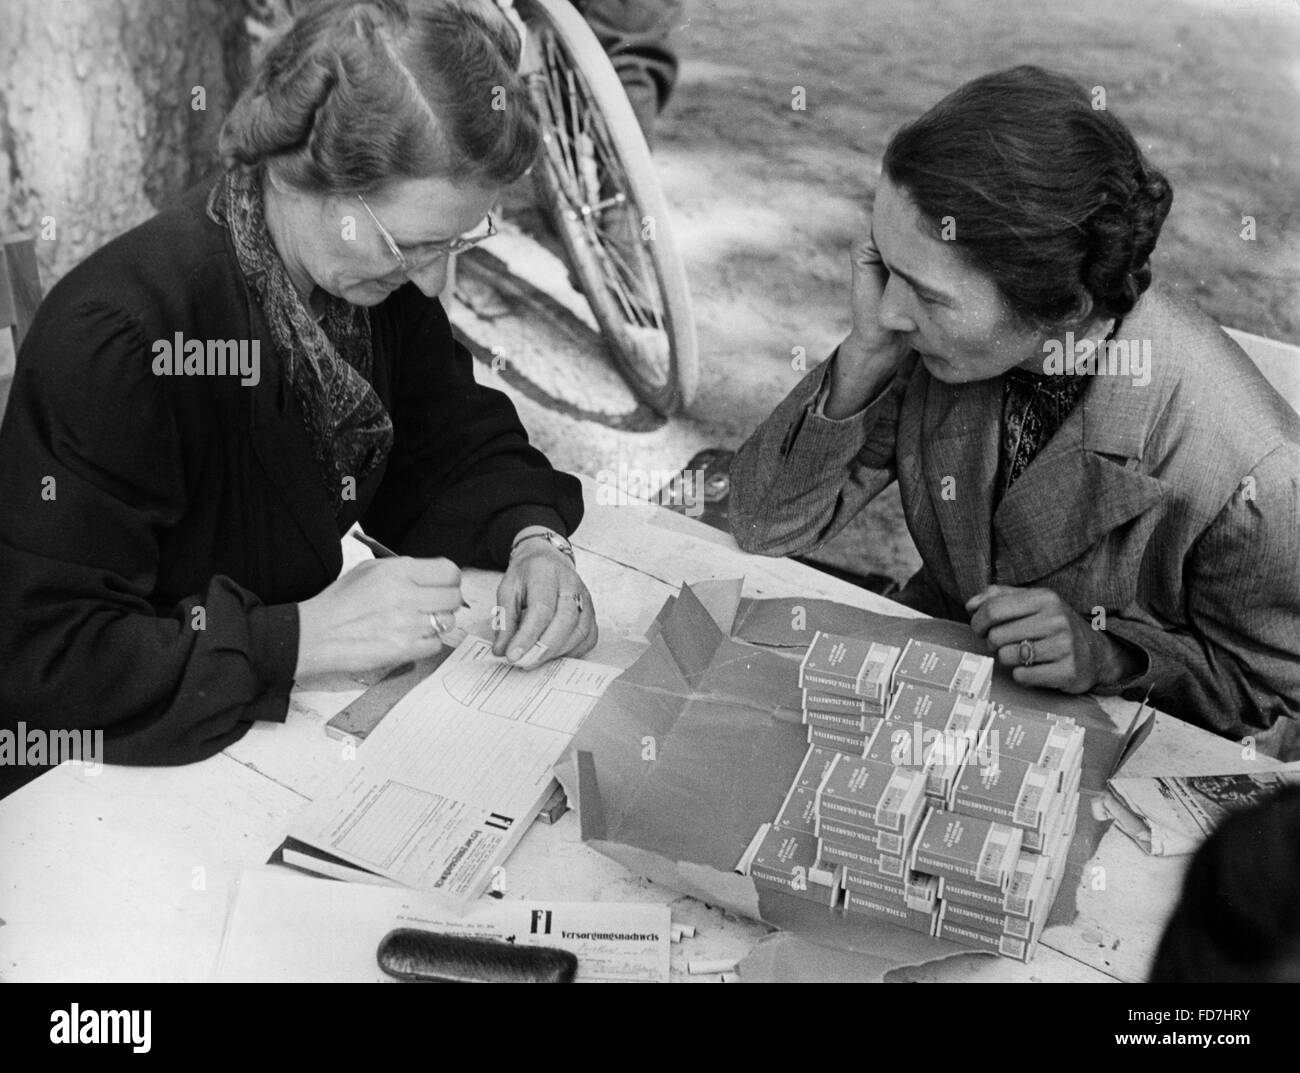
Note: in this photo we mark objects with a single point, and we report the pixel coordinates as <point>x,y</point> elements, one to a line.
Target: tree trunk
<point>108,110</point>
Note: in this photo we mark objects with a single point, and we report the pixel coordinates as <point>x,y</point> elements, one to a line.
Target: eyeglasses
<point>415,257</point>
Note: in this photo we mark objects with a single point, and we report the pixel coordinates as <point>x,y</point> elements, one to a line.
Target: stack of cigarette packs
<point>922,802</point>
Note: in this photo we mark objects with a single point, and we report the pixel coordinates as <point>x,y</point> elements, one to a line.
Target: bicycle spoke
<point>586,164</point>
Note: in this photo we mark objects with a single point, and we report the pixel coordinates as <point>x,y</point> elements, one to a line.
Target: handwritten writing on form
<point>444,787</point>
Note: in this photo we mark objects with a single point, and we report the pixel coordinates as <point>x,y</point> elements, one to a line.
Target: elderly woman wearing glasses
<point>206,404</point>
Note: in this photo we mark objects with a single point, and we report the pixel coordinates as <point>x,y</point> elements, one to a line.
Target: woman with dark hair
<point>1095,476</point>
<point>206,404</point>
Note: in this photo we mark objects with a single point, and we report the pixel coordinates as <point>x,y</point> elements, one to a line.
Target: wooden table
<point>126,875</point>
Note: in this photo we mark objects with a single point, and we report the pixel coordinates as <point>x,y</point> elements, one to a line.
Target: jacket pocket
<point>1110,574</point>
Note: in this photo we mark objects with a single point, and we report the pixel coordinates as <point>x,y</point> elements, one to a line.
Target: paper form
<point>445,786</point>
<point>285,927</point>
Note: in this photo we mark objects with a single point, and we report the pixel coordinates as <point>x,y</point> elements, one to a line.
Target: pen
<point>383,551</point>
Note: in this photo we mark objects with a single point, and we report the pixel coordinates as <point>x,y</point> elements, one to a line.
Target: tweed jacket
<point>1172,505</point>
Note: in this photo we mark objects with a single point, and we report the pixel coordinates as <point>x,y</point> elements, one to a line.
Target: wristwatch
<point>551,537</point>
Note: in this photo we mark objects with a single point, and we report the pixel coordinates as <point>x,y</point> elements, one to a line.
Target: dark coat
<point>130,498</point>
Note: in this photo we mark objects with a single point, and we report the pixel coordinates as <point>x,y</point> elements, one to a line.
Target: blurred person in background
<point>1238,918</point>
<point>637,37</point>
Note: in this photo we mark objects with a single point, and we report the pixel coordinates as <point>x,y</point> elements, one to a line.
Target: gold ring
<point>1026,653</point>
<point>577,599</point>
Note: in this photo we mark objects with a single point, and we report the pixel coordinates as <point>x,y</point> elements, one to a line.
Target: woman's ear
<point>1079,319</point>
<point>276,180</point>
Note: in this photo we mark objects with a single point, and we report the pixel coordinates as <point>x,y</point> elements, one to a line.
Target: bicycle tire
<point>625,323</point>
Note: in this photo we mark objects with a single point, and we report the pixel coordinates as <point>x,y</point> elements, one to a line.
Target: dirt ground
<point>766,199</point>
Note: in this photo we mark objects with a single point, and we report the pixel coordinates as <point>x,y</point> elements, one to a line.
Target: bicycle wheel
<point>597,181</point>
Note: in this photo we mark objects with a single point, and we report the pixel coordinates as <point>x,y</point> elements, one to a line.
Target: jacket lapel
<point>1083,484</point>
<point>959,449</point>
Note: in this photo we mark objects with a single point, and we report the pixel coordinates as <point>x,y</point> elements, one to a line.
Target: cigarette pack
<point>882,907</point>
<point>871,793</point>
<point>1056,842</point>
<point>1012,791</point>
<point>1055,742</point>
<point>831,854</point>
<point>816,763</point>
<point>994,923</point>
<point>934,730</point>
<point>940,776</point>
<point>866,838</point>
<point>924,663</point>
<point>823,700</point>
<point>1070,815</point>
<point>742,865</point>
<point>967,848</point>
<point>1064,807</point>
<point>1018,711</point>
<point>787,860</point>
<point>1022,898</point>
<point>849,665</point>
<point>918,891</point>
<point>799,810</point>
<point>1006,945</point>
<point>843,721</point>
<point>841,741</point>
<point>939,709</point>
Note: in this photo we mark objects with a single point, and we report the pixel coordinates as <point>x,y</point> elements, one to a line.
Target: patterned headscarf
<point>327,365</point>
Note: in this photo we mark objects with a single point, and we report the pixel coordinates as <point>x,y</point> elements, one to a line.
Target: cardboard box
<point>868,793</point>
<point>967,849</point>
<point>787,861</point>
<point>1011,791</point>
<point>849,665</point>
<point>924,663</point>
